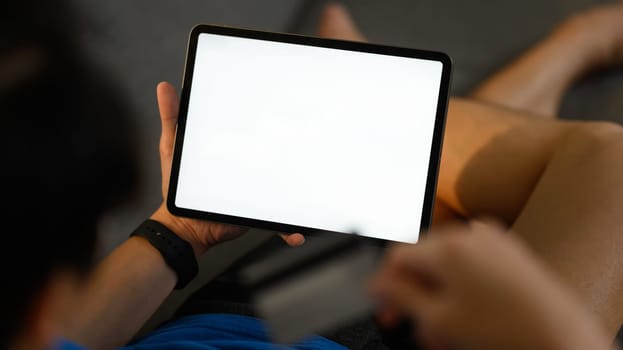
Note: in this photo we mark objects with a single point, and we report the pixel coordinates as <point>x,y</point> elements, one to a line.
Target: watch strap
<point>177,253</point>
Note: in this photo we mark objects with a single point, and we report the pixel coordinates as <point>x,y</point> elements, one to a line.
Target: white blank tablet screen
<point>323,138</point>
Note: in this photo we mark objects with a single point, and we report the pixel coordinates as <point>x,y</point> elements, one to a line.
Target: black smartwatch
<point>177,253</point>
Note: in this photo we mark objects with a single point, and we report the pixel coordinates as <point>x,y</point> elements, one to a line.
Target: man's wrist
<point>182,230</point>
<point>176,252</point>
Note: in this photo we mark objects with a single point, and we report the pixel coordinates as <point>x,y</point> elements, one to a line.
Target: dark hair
<point>68,153</point>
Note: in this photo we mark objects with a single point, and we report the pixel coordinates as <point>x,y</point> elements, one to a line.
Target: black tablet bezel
<point>433,169</point>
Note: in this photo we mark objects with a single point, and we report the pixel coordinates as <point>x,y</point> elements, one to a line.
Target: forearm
<point>130,284</point>
<point>122,293</point>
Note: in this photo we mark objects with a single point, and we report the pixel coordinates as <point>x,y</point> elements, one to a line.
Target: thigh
<point>574,218</point>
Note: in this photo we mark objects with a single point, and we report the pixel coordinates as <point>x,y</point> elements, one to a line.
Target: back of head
<point>67,152</point>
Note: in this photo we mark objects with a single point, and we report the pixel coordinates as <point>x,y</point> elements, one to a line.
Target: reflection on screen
<point>323,138</point>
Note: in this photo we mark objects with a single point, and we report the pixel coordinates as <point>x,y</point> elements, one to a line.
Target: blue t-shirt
<point>216,331</point>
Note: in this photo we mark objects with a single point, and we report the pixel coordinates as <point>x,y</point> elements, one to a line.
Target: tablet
<point>301,134</point>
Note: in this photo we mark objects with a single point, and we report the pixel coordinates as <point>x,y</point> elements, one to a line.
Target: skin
<point>579,248</point>
<point>575,238</point>
<point>477,287</point>
<point>579,163</point>
<point>135,277</point>
<point>201,234</point>
<point>573,51</point>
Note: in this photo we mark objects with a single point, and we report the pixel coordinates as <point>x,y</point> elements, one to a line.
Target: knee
<point>597,140</point>
<point>597,133</point>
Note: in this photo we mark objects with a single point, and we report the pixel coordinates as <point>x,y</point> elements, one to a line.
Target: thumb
<point>168,104</point>
<point>336,23</point>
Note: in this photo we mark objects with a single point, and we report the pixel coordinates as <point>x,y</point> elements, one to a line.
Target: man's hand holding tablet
<point>200,234</point>
<point>300,134</point>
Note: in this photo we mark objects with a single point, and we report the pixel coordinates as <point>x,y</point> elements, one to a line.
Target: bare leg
<point>537,80</point>
<point>570,215</point>
<point>534,85</point>
<point>559,183</point>
<point>591,39</point>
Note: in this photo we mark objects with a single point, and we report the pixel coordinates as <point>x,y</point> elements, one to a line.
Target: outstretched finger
<point>168,104</point>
